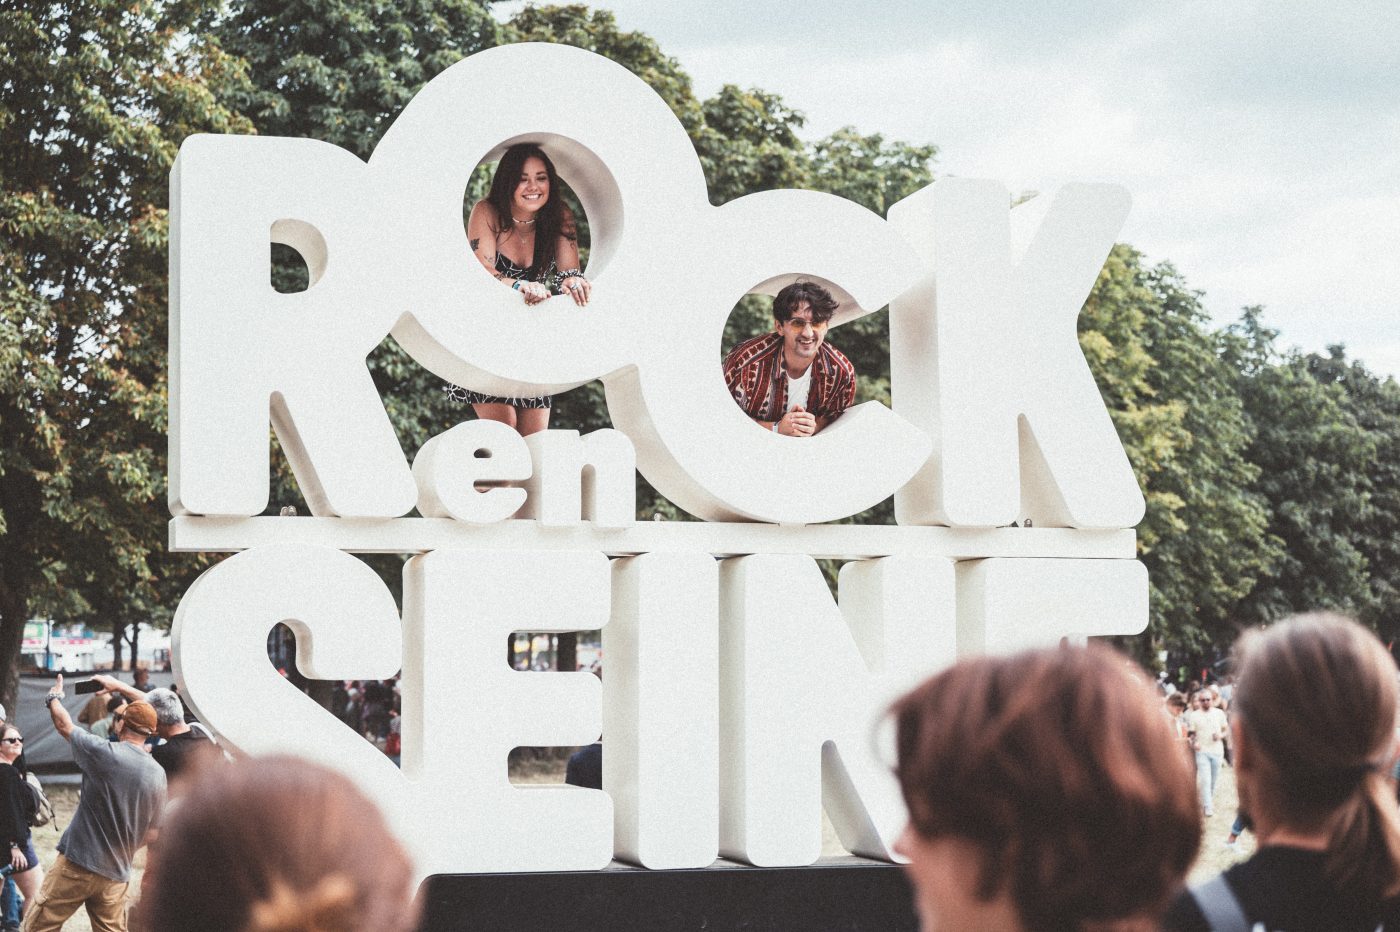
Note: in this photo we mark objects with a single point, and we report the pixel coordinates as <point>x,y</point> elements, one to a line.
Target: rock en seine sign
<point>739,698</point>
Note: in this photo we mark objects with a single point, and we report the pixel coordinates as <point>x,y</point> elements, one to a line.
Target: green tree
<point>342,71</point>
<point>870,170</point>
<point>97,97</point>
<point>597,31</point>
<point>1375,405</point>
<point>1313,459</point>
<point>1216,544</point>
<point>749,143</point>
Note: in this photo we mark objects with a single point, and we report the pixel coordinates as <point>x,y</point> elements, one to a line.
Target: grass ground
<point>1214,857</point>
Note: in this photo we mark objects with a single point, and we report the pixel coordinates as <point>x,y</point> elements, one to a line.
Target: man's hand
<point>110,684</point>
<point>798,423</point>
<point>61,720</point>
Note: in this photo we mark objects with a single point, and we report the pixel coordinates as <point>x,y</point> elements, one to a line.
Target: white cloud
<point>1261,142</point>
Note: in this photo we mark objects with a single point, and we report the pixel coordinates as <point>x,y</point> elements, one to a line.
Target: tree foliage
<point>1314,461</point>
<point>1374,404</point>
<point>1174,402</point>
<point>97,98</point>
<point>1272,477</point>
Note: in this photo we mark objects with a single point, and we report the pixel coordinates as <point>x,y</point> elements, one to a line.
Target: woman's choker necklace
<point>525,222</point>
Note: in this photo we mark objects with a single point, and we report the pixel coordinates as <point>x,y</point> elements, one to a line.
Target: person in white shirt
<point>1208,728</point>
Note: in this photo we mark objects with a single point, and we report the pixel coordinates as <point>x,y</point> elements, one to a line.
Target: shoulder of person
<point>489,214</point>
<point>86,739</point>
<point>752,346</point>
<point>835,355</point>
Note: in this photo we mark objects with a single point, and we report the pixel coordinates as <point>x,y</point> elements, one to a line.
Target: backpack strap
<point>1219,905</point>
<point>198,728</point>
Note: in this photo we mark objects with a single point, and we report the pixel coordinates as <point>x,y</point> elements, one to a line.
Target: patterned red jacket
<point>753,370</point>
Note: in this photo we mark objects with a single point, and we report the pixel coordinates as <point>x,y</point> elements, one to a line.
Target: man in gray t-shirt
<point>123,793</point>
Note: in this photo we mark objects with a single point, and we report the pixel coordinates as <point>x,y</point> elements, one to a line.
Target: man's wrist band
<point>775,426</point>
<point>51,698</point>
<point>516,285</point>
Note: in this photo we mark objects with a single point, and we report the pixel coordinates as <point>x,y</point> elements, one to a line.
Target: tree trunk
<point>566,652</point>
<point>118,640</point>
<point>135,643</point>
<point>14,612</point>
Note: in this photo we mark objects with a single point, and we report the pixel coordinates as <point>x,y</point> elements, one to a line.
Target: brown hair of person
<point>1059,767</point>
<point>1177,701</point>
<point>1321,762</point>
<point>278,844</point>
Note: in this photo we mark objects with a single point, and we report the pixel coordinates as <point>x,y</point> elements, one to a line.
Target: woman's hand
<point>579,288</point>
<point>17,859</point>
<point>534,292</point>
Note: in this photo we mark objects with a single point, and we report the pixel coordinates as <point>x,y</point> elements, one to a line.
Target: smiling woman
<point>524,234</point>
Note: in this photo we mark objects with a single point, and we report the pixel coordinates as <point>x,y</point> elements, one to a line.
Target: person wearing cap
<point>180,744</point>
<point>123,794</point>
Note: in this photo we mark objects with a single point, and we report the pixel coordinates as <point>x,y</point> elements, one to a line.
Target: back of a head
<point>169,709</point>
<point>1316,705</point>
<point>276,844</point>
<point>1060,769</point>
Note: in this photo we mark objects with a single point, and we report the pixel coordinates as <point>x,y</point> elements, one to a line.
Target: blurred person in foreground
<point>1046,791</point>
<point>287,845</point>
<point>1313,726</point>
<point>120,805</point>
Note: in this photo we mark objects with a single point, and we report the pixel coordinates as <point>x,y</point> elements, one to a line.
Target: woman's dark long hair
<point>550,222</point>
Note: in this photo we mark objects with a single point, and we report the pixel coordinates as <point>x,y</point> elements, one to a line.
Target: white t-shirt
<point>1208,725</point>
<point>798,389</point>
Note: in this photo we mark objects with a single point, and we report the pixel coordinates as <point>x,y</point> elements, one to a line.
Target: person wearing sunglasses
<point>14,822</point>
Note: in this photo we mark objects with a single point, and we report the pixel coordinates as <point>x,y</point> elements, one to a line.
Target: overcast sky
<point>1260,141</point>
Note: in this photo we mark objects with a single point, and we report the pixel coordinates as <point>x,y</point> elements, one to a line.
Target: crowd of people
<point>1049,791</point>
<point>1046,790</point>
<point>373,709</point>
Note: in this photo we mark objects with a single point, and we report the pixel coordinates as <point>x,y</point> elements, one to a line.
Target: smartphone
<point>87,686</point>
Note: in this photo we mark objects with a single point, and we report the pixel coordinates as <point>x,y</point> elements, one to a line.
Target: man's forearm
<point>62,721</point>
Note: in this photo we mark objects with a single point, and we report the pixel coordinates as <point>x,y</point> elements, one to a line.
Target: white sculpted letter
<point>449,466</point>
<point>661,709</point>
<point>472,708</point>
<point>1006,605</point>
<point>594,477</point>
<point>1021,430</point>
<point>802,686</point>
<point>629,159</point>
<point>239,349</point>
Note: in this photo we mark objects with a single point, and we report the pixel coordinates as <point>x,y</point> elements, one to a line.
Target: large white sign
<point>739,698</point>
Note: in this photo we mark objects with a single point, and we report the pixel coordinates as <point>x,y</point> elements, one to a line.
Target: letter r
<point>239,350</point>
